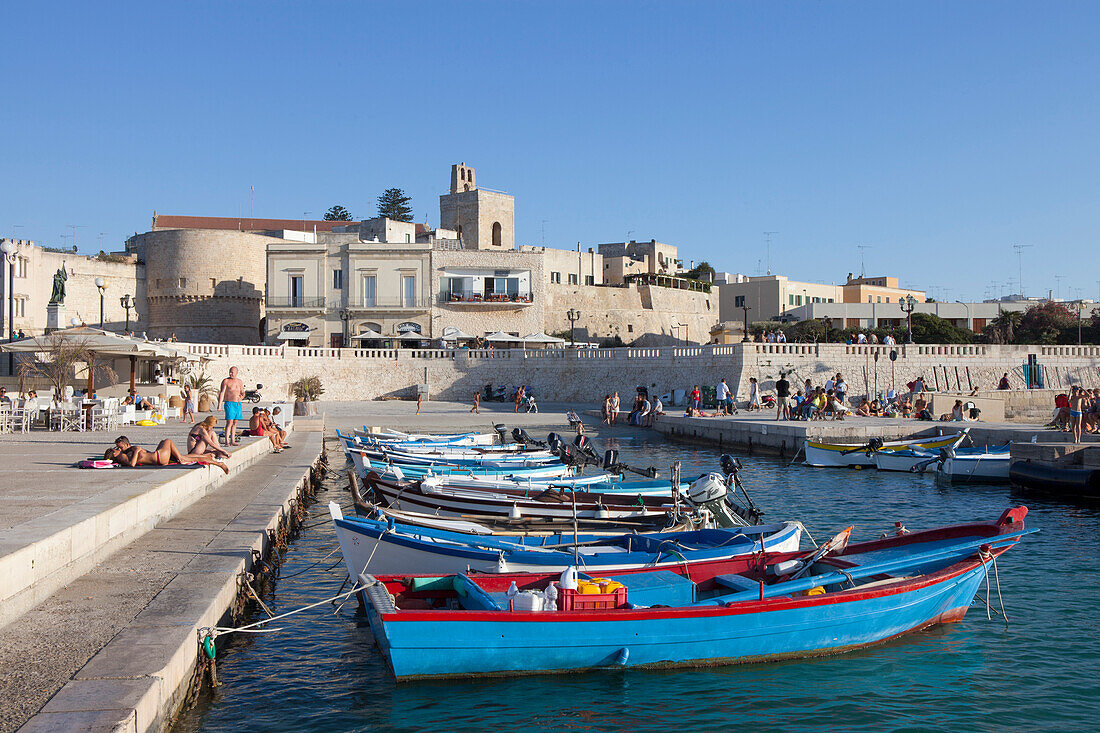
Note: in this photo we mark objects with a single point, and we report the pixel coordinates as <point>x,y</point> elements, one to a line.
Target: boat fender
<point>624,655</point>
<point>431,484</point>
<point>785,568</point>
<point>514,512</point>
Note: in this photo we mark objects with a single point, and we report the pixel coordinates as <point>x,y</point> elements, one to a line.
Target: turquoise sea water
<point>323,672</point>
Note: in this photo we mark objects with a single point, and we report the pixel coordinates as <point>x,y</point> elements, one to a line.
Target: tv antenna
<point>1020,262</point>
<point>544,231</point>
<point>862,250</point>
<point>768,250</point>
<point>74,227</point>
<point>1058,287</point>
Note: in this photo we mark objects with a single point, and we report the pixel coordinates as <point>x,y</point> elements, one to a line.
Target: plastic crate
<point>572,600</point>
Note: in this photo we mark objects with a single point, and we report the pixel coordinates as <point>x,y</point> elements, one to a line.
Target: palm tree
<point>1002,329</point>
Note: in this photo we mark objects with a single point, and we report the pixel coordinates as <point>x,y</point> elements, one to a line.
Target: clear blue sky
<point>937,133</point>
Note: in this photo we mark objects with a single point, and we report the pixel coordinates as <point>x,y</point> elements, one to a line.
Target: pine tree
<point>394,204</point>
<point>337,213</point>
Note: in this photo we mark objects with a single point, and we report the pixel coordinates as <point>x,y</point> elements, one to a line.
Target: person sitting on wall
<point>202,439</point>
<point>270,426</point>
<point>920,409</point>
<point>1060,419</point>
<point>137,401</point>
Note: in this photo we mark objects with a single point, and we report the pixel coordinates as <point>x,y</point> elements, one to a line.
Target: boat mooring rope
<point>207,634</point>
<point>986,556</point>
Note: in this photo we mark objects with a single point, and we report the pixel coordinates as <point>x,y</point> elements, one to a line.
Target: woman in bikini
<point>125,454</point>
<point>202,439</point>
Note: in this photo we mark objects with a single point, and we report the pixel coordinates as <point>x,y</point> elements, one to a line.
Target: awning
<point>294,335</point>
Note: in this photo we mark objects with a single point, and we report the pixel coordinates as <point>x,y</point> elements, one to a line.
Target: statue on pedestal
<point>59,278</point>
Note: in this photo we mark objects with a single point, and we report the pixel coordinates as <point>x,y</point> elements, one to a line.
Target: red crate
<point>572,600</point>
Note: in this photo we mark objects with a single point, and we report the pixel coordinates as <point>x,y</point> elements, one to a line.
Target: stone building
<point>32,281</point>
<point>622,259</point>
<point>770,297</point>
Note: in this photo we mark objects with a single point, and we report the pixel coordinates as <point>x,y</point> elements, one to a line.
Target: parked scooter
<point>253,395</point>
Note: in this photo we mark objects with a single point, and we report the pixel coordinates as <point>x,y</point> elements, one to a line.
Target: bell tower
<point>483,219</point>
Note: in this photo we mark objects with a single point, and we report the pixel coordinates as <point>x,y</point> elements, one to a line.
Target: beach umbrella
<point>542,338</point>
<point>366,335</point>
<point>503,338</point>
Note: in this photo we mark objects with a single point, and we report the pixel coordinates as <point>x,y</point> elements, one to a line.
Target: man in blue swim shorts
<point>230,396</point>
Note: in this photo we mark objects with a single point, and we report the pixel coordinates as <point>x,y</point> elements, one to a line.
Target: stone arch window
<point>497,230</point>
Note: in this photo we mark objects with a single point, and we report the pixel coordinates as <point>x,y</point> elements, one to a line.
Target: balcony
<point>291,302</point>
<point>469,298</point>
<point>386,303</point>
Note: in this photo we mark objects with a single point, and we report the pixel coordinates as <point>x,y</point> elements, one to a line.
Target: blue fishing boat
<point>364,464</point>
<point>781,605</point>
<point>383,546</point>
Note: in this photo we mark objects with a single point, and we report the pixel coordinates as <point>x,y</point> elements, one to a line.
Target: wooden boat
<point>364,464</point>
<point>384,546</point>
<point>432,447</point>
<point>747,609</point>
<point>470,438</point>
<point>456,458</point>
<point>824,453</point>
<point>974,464</point>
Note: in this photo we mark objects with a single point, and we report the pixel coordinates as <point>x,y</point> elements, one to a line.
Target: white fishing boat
<point>988,464</point>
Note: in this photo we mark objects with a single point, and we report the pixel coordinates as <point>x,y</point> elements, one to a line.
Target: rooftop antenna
<point>768,251</point>
<point>1058,287</point>
<point>74,227</point>
<point>101,236</point>
<point>544,231</point>
<point>862,249</point>
<point>628,233</point>
<point>1020,261</point>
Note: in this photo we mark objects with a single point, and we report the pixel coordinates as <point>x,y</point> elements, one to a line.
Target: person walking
<point>754,394</point>
<point>606,409</point>
<point>188,405</point>
<point>782,397</point>
<point>419,399</point>
<point>477,403</point>
<point>230,396</point>
<point>614,408</point>
<point>519,397</point>
<point>696,397</point>
<point>725,401</point>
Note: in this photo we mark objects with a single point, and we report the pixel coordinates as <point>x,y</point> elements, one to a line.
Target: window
<point>296,291</point>
<point>572,278</point>
<point>213,283</point>
<point>497,232</point>
<point>830,300</point>
<point>555,277</point>
<point>21,267</point>
<point>368,290</point>
<point>20,307</point>
<point>408,291</point>
<point>798,300</point>
<point>739,301</point>
<point>630,328</point>
<point>589,279</point>
<point>183,282</point>
<point>407,239</point>
<point>887,298</point>
<point>790,300</point>
<point>337,279</point>
<point>160,283</point>
<point>879,298</point>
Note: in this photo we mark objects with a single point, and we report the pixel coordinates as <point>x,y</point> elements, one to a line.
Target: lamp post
<point>1080,310</point>
<point>908,304</point>
<point>102,287</point>
<point>573,316</point>
<point>745,307</point>
<point>969,321</point>
<point>8,250</point>
<point>128,303</point>
<point>345,316</point>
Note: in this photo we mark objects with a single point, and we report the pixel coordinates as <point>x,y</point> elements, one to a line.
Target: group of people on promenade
<point>204,446</point>
<point>1077,412</point>
<point>643,413</point>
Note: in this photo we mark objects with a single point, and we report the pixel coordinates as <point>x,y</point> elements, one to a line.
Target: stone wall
<point>645,315</point>
<point>205,285</point>
<point>585,375</point>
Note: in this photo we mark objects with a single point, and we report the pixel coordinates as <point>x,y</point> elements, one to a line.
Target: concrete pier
<point>115,570</point>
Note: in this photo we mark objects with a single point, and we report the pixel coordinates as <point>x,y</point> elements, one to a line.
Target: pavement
<point>113,646</point>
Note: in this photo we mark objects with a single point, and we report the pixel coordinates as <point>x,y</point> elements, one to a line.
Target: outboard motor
<point>520,435</point>
<point>709,492</point>
<point>555,442</point>
<point>500,428</point>
<point>584,448</point>
<point>611,460</point>
<point>874,445</point>
<point>731,466</point>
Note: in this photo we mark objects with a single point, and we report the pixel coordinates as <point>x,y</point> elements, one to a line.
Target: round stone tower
<point>204,285</point>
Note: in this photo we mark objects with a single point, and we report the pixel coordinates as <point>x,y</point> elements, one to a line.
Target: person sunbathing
<point>126,454</point>
<point>864,409</point>
<point>202,439</point>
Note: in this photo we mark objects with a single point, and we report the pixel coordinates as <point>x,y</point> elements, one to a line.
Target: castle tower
<point>483,219</point>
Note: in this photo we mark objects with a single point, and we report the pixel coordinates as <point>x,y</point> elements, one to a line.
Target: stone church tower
<point>483,219</point>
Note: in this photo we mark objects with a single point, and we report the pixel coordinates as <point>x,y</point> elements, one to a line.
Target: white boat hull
<point>976,468</point>
<point>897,461</point>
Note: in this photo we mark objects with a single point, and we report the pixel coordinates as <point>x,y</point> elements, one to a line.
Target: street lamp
<point>345,316</point>
<point>908,304</point>
<point>969,322</point>
<point>102,286</point>
<point>8,250</point>
<point>1080,310</point>
<point>573,316</point>
<point>128,303</point>
<point>745,307</point>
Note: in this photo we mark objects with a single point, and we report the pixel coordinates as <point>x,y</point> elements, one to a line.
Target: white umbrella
<point>367,334</point>
<point>503,338</point>
<point>455,334</point>
<point>542,338</point>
